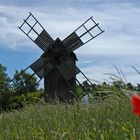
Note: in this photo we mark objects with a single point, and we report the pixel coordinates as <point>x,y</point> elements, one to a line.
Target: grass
<point>109,120</point>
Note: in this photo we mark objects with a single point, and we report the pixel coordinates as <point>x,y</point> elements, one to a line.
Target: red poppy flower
<point>136,104</point>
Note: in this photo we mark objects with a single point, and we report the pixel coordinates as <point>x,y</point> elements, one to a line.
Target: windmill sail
<point>41,68</point>
<point>82,35</point>
<point>35,31</point>
<point>72,42</point>
<point>68,70</point>
<point>43,40</point>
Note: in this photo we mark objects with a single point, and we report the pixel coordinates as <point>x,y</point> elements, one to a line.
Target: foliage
<point>17,95</point>
<point>24,82</point>
<point>20,101</point>
<point>105,89</point>
<point>101,91</point>
<point>5,92</point>
<point>4,80</point>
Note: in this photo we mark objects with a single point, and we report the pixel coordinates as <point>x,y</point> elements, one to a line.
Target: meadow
<point>110,119</point>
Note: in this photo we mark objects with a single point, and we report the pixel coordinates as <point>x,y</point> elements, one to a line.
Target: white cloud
<point>120,21</point>
<point>100,73</point>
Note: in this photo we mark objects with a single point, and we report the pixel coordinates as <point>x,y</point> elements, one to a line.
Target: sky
<point>119,45</point>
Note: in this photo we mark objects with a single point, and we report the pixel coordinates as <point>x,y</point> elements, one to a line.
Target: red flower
<point>136,104</point>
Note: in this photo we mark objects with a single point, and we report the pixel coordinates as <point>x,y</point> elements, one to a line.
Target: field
<point>111,119</point>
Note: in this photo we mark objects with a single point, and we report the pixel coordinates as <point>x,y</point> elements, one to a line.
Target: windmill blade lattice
<point>82,35</point>
<point>35,31</point>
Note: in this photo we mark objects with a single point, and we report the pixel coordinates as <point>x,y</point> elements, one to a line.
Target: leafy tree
<point>130,86</point>
<point>119,84</point>
<point>25,82</point>
<point>5,92</point>
<point>4,80</point>
<point>11,96</point>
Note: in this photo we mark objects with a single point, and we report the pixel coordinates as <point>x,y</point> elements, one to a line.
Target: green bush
<point>20,101</point>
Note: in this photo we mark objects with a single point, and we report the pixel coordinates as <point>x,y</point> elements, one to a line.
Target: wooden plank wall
<point>56,87</point>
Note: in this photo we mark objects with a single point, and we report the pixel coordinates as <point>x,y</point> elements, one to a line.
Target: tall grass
<point>108,120</point>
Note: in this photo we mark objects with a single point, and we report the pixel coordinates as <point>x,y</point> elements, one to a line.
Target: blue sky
<point>119,45</point>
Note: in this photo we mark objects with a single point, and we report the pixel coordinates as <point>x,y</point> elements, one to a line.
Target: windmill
<point>57,64</point>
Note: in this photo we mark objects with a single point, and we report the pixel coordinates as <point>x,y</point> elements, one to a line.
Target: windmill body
<point>57,64</point>
<point>55,85</point>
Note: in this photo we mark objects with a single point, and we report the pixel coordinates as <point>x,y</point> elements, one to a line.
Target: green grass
<point>111,119</point>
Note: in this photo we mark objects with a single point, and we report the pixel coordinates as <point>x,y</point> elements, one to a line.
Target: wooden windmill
<point>57,64</point>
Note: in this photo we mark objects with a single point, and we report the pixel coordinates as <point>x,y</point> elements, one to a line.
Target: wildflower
<point>136,105</point>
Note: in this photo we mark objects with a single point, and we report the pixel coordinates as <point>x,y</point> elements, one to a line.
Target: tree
<point>130,86</point>
<point>5,91</point>
<point>119,84</point>
<point>25,82</point>
<point>4,79</point>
